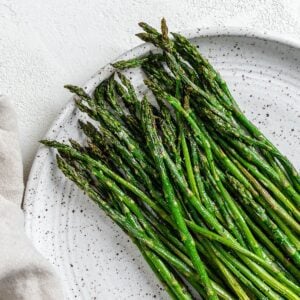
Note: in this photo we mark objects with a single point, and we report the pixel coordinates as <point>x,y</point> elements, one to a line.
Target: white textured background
<point>45,44</point>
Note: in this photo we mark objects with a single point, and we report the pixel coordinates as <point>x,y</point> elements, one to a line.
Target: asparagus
<point>195,184</point>
<point>174,66</point>
<point>135,62</point>
<point>157,153</point>
<point>62,148</point>
<point>193,56</point>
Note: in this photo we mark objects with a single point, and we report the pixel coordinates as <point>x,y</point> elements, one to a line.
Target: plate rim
<point>218,31</point>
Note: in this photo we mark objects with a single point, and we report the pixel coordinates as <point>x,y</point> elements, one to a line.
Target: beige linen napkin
<point>24,273</point>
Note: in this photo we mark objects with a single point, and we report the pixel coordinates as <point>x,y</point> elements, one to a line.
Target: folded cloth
<point>24,273</point>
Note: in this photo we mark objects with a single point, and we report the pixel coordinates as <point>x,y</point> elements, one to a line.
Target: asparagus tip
<point>141,35</point>
<point>175,35</point>
<point>54,144</point>
<point>118,65</point>
<point>46,142</point>
<point>120,75</point>
<point>164,29</point>
<point>77,90</point>
<point>142,24</point>
<point>70,87</point>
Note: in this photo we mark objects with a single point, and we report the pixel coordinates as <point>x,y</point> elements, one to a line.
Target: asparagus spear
<point>157,152</point>
<point>223,173</point>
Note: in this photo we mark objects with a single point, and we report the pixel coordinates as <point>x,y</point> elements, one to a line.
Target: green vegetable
<point>210,202</point>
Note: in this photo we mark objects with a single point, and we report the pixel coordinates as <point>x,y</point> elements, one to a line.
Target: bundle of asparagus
<point>210,202</point>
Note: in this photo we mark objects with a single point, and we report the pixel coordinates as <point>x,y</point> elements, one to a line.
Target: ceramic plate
<point>93,257</point>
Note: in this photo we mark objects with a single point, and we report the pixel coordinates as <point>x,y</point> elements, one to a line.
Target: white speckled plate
<point>93,257</point>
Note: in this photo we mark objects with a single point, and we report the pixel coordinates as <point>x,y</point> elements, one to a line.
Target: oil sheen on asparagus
<point>210,202</point>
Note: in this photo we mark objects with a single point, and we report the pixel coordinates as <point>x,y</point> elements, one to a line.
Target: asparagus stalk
<point>154,145</point>
<point>190,181</point>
